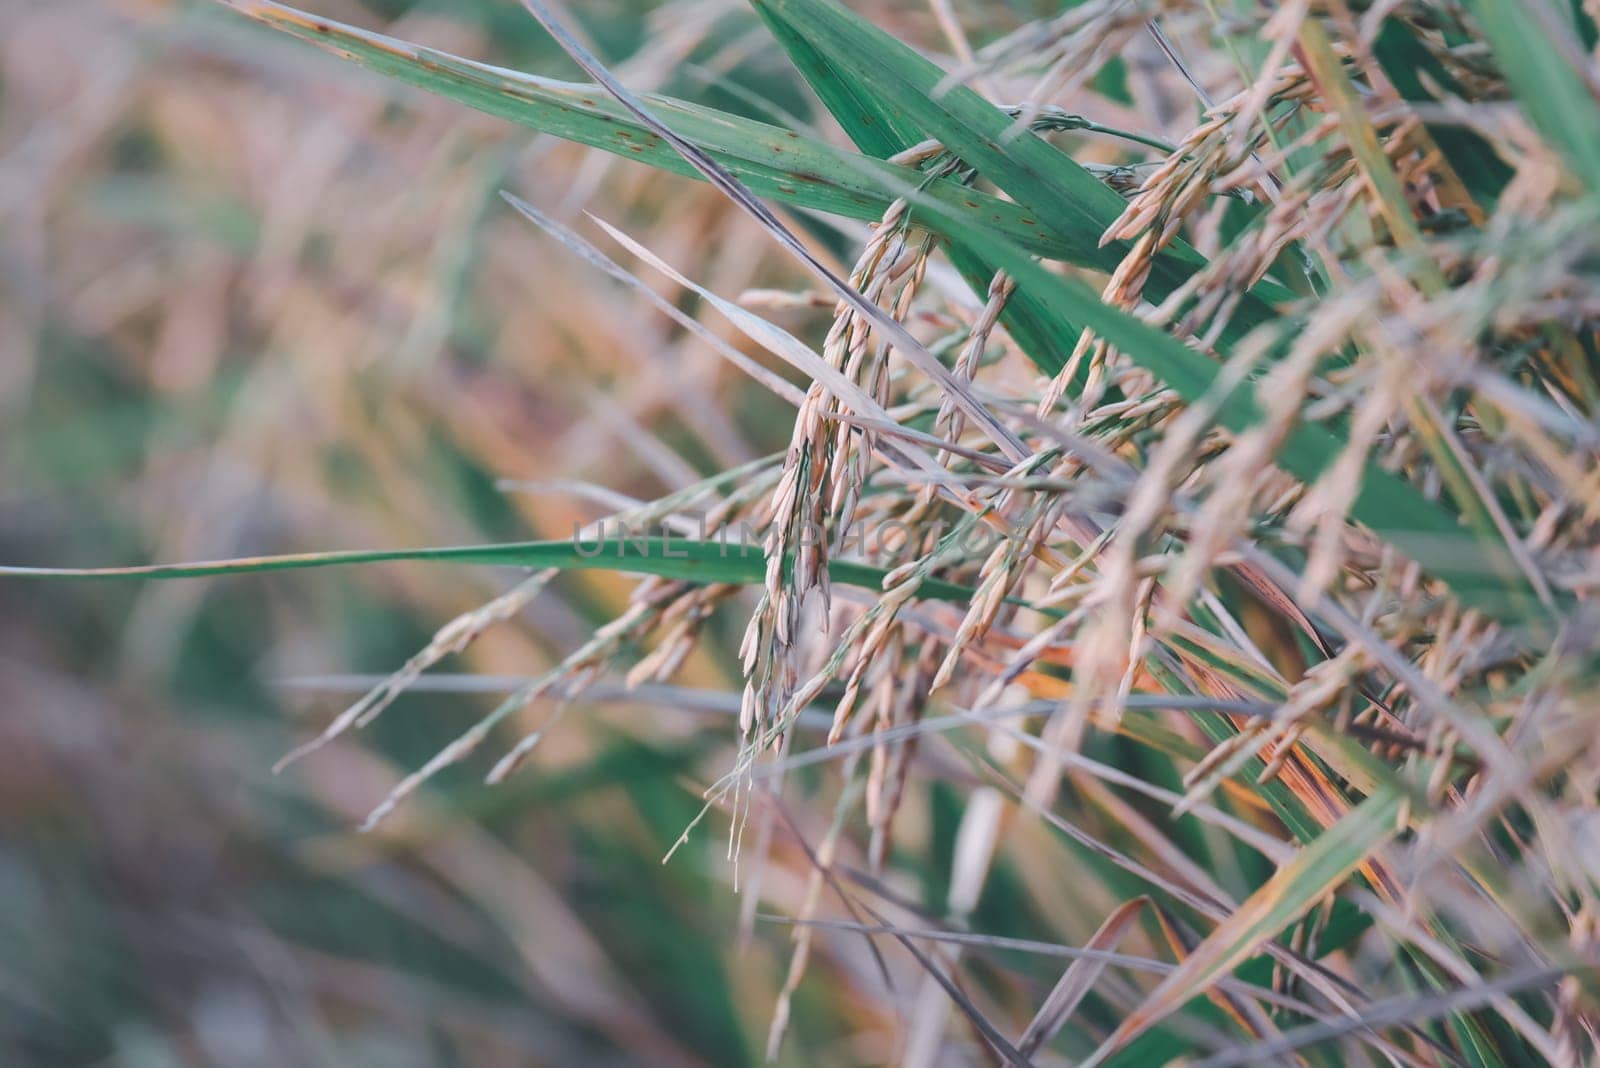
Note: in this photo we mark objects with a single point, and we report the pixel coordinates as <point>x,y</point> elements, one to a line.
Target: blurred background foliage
<point>254,301</point>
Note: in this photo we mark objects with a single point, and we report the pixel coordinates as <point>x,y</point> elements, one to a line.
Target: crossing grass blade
<point>1079,978</point>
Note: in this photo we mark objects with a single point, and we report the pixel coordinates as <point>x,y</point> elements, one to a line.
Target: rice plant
<point>1192,479</point>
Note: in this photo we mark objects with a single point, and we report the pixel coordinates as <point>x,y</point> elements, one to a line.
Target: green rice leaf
<point>685,559</point>
<point>1067,199</point>
<point>773,162</point>
<point>1045,335</point>
<point>1535,59</point>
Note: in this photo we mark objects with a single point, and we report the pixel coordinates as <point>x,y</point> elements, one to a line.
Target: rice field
<point>800,532</point>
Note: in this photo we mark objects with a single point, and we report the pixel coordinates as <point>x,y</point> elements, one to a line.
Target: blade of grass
<point>1065,196</point>
<point>1338,991</point>
<point>1387,1013</point>
<point>1044,335</point>
<point>1538,63</point>
<point>1079,978</point>
<point>1315,52</point>
<point>999,943</point>
<point>685,559</point>
<point>1405,61</point>
<point>1319,868</point>
<point>772,161</point>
